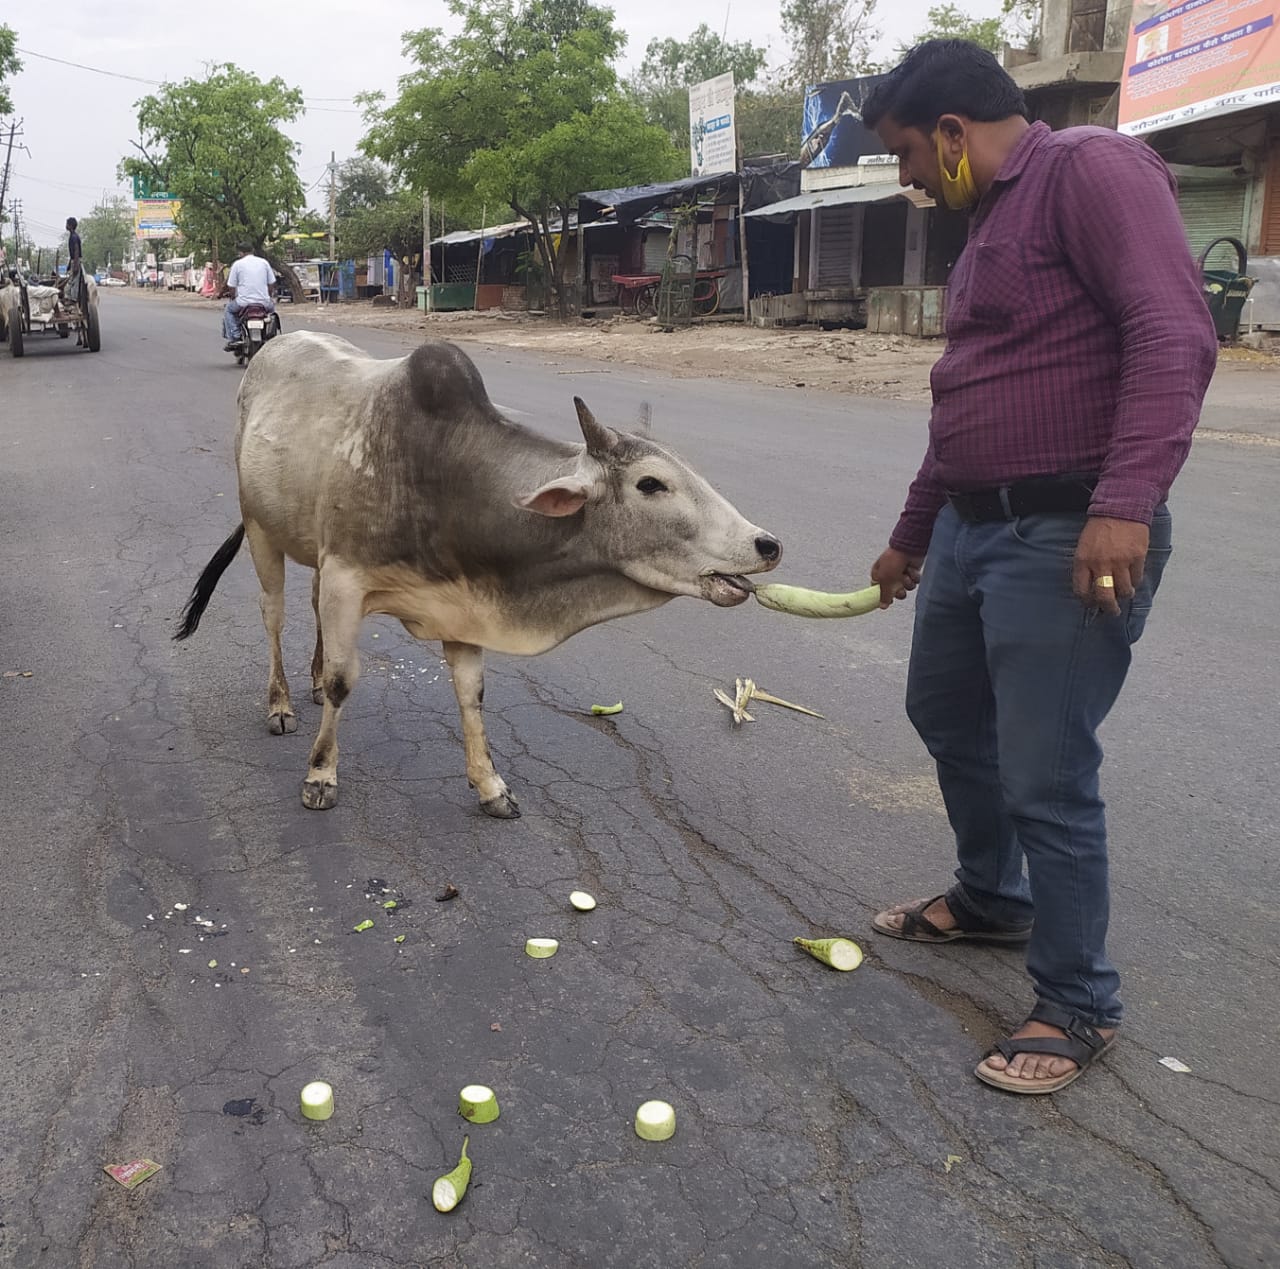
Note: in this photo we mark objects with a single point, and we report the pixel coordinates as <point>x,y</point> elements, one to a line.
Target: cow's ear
<point>600,439</point>
<point>564,497</point>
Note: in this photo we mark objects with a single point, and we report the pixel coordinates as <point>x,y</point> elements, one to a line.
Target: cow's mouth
<point>726,590</point>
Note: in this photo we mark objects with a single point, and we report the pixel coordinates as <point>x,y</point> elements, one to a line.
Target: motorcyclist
<point>251,281</point>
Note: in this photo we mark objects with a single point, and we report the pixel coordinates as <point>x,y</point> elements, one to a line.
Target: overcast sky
<point>79,124</point>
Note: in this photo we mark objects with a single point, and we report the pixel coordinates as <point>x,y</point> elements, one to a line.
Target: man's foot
<point>232,345</point>
<point>936,913</point>
<point>1042,1056</point>
<point>932,921</point>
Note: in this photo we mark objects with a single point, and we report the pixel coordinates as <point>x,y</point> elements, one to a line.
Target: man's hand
<point>1109,549</point>
<point>897,573</point>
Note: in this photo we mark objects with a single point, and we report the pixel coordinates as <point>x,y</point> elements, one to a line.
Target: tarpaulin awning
<point>634,201</point>
<point>474,235</point>
<point>875,192</point>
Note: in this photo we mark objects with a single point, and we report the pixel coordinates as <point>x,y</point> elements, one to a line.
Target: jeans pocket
<point>1051,533</point>
<point>1135,618</point>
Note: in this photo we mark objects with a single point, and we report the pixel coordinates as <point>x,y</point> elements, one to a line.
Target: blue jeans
<point>1010,679</point>
<point>231,318</point>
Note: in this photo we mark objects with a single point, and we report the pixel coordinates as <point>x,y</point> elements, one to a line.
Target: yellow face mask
<point>959,192</point>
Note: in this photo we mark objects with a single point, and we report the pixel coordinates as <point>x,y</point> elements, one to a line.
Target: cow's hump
<point>444,381</point>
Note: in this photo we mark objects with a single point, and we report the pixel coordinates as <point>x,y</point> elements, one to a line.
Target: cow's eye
<point>650,485</point>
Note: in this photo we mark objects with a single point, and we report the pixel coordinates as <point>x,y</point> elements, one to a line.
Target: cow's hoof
<point>503,807</point>
<point>317,695</point>
<point>319,795</point>
<point>281,724</point>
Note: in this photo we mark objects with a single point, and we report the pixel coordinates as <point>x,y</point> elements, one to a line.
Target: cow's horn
<point>646,418</point>
<point>600,439</point>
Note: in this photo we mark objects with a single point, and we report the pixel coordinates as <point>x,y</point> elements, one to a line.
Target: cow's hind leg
<point>466,663</point>
<point>268,560</point>
<point>317,658</point>
<point>340,611</point>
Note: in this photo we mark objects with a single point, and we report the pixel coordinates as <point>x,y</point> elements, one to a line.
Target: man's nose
<point>904,174</point>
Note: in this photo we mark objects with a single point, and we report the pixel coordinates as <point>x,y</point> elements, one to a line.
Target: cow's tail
<point>207,582</point>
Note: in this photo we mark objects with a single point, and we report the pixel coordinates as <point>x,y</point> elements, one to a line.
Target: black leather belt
<point>1061,495</point>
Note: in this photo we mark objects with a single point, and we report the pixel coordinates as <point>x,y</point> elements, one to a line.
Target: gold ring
<point>1106,583</point>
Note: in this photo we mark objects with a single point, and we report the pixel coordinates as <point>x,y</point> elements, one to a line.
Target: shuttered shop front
<point>1270,236</point>
<point>1212,209</point>
<point>837,242</point>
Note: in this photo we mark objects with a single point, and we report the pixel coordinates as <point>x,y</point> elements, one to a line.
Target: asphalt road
<point>824,1119</point>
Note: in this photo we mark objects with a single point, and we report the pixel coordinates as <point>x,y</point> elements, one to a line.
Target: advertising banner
<point>1197,60</point>
<point>156,218</point>
<point>833,131</point>
<point>713,140</point>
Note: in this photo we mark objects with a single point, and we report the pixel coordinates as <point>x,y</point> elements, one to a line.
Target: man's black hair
<point>945,77</point>
<point>72,222</point>
<point>244,246</point>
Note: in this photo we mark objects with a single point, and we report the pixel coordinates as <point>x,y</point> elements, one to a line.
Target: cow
<point>408,492</point>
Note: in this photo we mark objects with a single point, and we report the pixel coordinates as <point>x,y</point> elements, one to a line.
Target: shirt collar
<point>1020,155</point>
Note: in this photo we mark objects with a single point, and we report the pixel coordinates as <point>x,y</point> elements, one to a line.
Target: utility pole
<point>426,245</point>
<point>15,214</point>
<point>333,204</point>
<point>14,132</point>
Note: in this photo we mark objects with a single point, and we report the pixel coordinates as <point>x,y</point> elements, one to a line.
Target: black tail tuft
<point>206,583</point>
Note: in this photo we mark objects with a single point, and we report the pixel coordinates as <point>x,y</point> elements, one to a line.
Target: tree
<point>661,84</point>
<point>105,233</point>
<point>830,39</point>
<point>521,109</point>
<point>216,144</point>
<point>10,64</point>
<point>1018,24</point>
<point>1022,24</point>
<point>362,183</point>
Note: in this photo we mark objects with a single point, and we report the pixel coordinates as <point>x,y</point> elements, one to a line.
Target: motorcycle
<point>257,325</point>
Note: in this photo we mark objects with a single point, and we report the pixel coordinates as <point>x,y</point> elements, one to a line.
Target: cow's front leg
<point>466,663</point>
<point>341,608</point>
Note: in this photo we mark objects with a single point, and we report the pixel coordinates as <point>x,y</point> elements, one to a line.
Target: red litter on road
<point>133,1173</point>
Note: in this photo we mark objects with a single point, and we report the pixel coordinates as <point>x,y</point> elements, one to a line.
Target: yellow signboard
<point>156,218</point>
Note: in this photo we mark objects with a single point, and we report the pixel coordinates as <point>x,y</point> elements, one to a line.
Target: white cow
<point>406,490</point>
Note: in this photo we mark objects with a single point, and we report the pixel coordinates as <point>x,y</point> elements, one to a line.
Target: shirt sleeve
<point>1119,225</point>
<point>924,500</point>
<point>233,274</point>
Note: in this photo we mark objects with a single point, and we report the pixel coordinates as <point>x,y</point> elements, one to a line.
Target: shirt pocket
<point>997,283</point>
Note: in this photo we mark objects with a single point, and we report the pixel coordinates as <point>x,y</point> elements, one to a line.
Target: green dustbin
<point>1225,291</point>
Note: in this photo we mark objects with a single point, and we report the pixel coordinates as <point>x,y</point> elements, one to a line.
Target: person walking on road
<point>1078,354</point>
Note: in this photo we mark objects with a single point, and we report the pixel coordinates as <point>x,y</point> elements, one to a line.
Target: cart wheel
<point>15,334</point>
<point>646,301</point>
<point>92,329</point>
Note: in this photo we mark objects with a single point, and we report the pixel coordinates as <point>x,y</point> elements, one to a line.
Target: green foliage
<point>830,39</point>
<point>948,22</point>
<point>768,117</point>
<point>105,233</point>
<point>394,224</point>
<point>216,144</point>
<point>362,183</point>
<point>521,108</point>
<point>10,64</point>
<point>1019,25</point>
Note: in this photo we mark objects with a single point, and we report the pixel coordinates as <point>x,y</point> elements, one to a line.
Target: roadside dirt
<point>851,361</point>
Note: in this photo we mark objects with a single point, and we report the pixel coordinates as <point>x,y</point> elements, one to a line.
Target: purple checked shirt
<point>1077,337</point>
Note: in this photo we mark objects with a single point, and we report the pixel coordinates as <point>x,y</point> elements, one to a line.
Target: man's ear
<point>565,496</point>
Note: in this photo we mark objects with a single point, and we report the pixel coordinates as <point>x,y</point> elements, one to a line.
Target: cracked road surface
<point>825,1119</point>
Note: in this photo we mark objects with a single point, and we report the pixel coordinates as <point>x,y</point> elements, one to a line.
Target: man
<point>70,287</point>
<point>75,251</point>
<point>1078,354</point>
<point>251,281</point>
